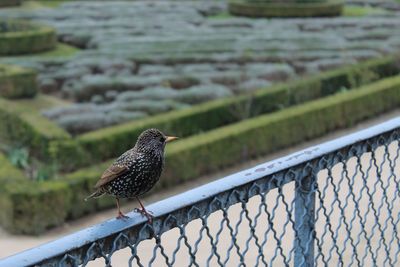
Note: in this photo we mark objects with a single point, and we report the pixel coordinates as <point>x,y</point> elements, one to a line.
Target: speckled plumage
<point>136,171</point>
<point>144,170</point>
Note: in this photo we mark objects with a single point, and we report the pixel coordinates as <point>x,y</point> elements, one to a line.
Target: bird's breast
<point>141,177</point>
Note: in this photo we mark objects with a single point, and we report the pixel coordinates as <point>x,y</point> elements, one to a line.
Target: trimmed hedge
<point>47,204</point>
<point>25,38</point>
<point>28,207</point>
<point>22,125</point>
<point>17,82</point>
<point>36,207</point>
<point>109,142</point>
<point>8,175</point>
<point>239,142</point>
<point>7,3</point>
<point>285,9</point>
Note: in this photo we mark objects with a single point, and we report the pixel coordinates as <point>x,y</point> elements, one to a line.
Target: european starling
<point>136,171</point>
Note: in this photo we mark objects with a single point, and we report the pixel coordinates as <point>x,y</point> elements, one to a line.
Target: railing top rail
<point>110,227</point>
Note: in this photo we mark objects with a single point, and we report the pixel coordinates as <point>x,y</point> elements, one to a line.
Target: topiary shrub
<point>298,8</point>
<point>21,37</point>
<point>6,3</point>
<point>35,207</point>
<point>17,82</point>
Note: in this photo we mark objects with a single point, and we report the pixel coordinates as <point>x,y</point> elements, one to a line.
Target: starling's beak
<point>170,138</point>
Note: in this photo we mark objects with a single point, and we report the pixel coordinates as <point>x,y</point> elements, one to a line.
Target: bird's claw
<point>146,213</point>
<point>143,211</point>
<point>121,216</point>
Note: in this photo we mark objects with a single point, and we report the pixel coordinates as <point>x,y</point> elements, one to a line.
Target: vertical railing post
<point>304,222</point>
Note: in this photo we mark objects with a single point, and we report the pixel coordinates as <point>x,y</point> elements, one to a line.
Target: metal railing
<point>336,204</point>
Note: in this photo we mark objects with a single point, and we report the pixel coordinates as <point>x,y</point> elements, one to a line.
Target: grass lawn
<point>43,3</point>
<point>61,50</point>
<point>360,11</point>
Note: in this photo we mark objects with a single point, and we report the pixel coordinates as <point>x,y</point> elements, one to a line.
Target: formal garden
<point>79,80</point>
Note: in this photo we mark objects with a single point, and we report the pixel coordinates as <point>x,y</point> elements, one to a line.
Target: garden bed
<point>110,142</point>
<point>40,134</point>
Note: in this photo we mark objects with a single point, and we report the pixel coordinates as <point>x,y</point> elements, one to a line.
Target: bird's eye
<point>162,139</point>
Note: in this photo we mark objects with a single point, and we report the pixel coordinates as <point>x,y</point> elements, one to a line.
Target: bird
<point>136,171</point>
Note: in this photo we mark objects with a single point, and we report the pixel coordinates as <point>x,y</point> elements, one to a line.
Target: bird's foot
<point>121,216</point>
<point>146,213</point>
<point>143,211</point>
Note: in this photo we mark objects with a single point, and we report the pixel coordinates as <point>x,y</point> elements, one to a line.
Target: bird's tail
<point>96,194</point>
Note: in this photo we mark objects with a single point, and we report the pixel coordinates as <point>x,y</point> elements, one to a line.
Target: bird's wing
<point>111,173</point>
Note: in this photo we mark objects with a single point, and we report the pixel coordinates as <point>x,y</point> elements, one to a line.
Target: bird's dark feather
<point>112,172</point>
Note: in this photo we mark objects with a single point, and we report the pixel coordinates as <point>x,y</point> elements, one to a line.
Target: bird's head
<point>153,140</point>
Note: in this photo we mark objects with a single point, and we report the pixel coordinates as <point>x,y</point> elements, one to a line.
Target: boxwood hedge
<point>22,37</point>
<point>7,3</point>
<point>12,176</point>
<point>200,154</point>
<point>17,82</point>
<point>285,9</point>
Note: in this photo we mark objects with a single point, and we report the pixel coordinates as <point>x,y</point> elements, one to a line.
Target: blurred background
<point>240,82</point>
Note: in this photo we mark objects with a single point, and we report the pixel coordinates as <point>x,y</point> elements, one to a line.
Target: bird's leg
<point>120,214</point>
<point>143,211</point>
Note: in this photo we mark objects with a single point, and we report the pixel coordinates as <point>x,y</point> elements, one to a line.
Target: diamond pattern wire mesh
<point>340,209</point>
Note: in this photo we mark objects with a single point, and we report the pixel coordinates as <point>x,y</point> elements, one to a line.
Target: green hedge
<point>28,207</point>
<point>285,9</point>
<point>200,154</point>
<point>25,38</point>
<point>103,144</point>
<point>7,3</point>
<point>239,142</point>
<point>37,206</point>
<point>40,206</point>
<point>8,175</point>
<point>17,82</point>
<point>22,124</point>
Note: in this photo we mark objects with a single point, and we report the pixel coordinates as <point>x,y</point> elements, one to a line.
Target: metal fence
<point>336,204</point>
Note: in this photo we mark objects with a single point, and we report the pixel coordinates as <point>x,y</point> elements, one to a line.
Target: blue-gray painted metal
<point>307,211</point>
<point>305,220</point>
